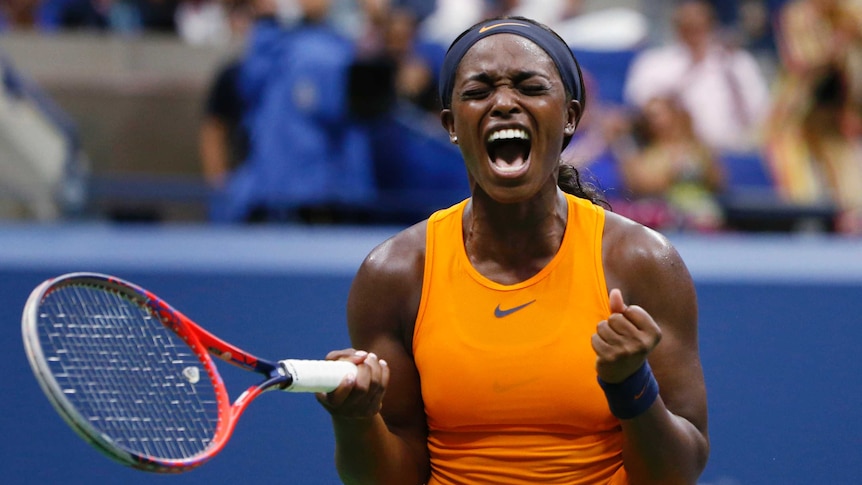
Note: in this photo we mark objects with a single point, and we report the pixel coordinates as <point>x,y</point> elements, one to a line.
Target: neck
<point>512,242</point>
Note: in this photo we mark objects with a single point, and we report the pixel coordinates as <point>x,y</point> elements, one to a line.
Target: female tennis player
<point>526,334</point>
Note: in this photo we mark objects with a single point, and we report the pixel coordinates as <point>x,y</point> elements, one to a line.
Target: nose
<point>505,102</point>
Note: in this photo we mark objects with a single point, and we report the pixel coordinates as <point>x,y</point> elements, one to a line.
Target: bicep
<point>672,301</point>
<point>379,308</point>
<point>658,280</point>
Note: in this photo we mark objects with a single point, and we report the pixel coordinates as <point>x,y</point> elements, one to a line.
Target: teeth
<point>510,134</point>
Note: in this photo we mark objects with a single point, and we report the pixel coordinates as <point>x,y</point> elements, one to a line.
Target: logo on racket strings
<point>192,374</point>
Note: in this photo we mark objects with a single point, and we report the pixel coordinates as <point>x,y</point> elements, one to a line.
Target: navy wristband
<point>633,396</point>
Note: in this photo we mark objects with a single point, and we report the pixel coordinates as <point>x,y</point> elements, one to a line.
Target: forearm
<point>366,452</point>
<point>213,151</point>
<point>663,448</point>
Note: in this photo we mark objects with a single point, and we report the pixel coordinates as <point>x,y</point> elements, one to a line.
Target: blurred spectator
<point>418,62</point>
<point>674,177</point>
<point>223,137</point>
<point>203,22</point>
<point>600,143</point>
<point>18,14</point>
<point>308,160</point>
<point>754,28</point>
<point>814,144</point>
<point>749,25</point>
<point>605,41</point>
<point>122,16</point>
<point>499,8</point>
<point>548,12</point>
<point>449,19</point>
<point>57,15</point>
<point>395,63</point>
<point>723,88</point>
<point>374,16</point>
<point>157,15</point>
<point>393,92</point>
<point>420,9</point>
<point>42,165</point>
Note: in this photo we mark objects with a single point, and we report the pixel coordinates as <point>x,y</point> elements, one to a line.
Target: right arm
<point>379,418</point>
<point>213,146</point>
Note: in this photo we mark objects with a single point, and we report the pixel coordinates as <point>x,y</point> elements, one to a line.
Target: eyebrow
<point>484,77</point>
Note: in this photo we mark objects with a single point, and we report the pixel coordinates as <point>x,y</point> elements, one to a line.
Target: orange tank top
<point>507,371</point>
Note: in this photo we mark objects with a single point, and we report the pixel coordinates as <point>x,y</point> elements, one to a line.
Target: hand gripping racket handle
<point>316,375</point>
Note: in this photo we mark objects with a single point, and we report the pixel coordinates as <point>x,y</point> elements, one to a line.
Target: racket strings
<point>131,378</point>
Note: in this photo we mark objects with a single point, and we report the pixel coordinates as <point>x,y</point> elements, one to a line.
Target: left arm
<point>654,317</point>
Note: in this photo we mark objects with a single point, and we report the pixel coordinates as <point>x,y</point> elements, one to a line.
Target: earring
<point>453,139</point>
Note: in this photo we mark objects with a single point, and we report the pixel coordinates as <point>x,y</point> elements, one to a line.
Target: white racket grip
<point>316,375</point>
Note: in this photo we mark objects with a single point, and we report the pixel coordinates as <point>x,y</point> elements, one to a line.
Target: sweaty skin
<point>512,229</point>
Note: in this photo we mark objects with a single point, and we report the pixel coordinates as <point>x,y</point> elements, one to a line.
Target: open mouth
<point>509,150</point>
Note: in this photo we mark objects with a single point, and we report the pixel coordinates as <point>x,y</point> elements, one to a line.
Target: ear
<point>573,115</point>
<point>449,124</point>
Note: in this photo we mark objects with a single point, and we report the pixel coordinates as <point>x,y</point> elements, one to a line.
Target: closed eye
<point>477,87</point>
<point>527,89</point>
<point>529,83</point>
<point>534,89</point>
<point>477,93</point>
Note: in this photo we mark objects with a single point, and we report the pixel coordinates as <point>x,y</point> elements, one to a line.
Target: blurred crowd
<point>331,107</point>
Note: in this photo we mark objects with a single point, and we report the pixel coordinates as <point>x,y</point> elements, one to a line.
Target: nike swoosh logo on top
<point>500,313</point>
<point>494,26</point>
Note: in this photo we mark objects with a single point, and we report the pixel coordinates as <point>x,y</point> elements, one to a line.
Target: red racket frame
<point>203,344</point>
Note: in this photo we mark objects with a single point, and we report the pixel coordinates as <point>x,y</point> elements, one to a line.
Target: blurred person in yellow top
<point>814,139</point>
<point>671,165</point>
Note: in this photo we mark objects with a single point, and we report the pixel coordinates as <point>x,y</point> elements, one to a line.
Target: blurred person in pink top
<point>723,87</point>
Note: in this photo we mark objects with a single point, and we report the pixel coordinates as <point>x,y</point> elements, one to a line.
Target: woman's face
<point>659,115</point>
<point>510,114</point>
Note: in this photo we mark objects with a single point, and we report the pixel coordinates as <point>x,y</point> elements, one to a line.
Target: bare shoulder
<point>397,257</point>
<point>385,293</point>
<point>637,257</point>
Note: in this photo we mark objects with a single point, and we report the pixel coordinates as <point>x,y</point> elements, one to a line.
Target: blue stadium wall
<point>779,331</point>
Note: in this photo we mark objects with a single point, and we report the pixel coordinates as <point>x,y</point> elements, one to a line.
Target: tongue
<point>509,154</point>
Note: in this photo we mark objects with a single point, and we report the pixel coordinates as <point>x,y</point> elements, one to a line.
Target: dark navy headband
<point>552,44</point>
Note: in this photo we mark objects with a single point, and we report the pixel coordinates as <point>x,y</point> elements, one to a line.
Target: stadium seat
<point>751,202</point>
<point>746,171</point>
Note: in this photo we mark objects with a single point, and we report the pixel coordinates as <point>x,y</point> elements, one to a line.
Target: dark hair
<point>570,181</point>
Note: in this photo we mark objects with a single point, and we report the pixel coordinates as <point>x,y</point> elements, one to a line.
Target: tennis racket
<point>135,378</point>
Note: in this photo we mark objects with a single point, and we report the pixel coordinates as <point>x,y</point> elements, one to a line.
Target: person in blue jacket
<point>307,158</point>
